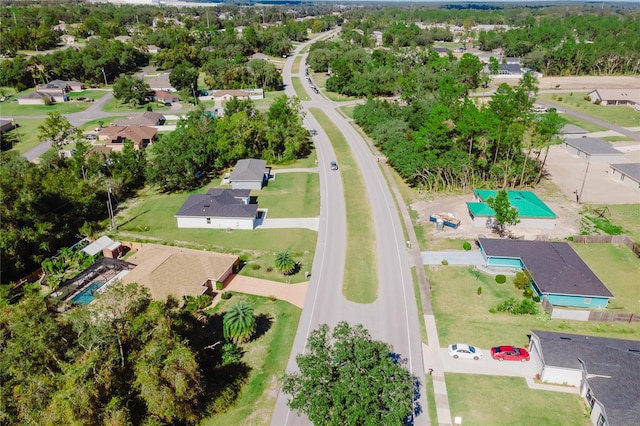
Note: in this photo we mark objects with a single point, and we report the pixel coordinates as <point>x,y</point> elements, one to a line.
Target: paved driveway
<point>486,365</point>
<point>453,257</point>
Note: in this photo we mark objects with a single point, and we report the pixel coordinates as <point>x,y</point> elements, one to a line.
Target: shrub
<point>598,101</point>
<point>226,295</point>
<point>522,280</point>
<point>512,306</point>
<point>231,354</point>
<point>536,299</point>
<point>445,262</point>
<point>479,291</point>
<point>507,305</point>
<point>466,245</point>
<point>560,98</point>
<point>269,269</point>
<point>587,98</point>
<point>219,285</point>
<point>255,266</point>
<point>528,293</point>
<point>501,279</point>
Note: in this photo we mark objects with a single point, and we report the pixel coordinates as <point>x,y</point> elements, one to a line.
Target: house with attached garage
<point>628,174</point>
<point>607,372</point>
<point>218,209</point>
<point>629,97</point>
<point>250,174</point>
<point>558,273</point>
<point>593,150</point>
<point>532,211</point>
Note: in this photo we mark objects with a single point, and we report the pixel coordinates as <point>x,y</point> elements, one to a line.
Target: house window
<point>587,300</point>
<point>208,221</point>
<point>601,420</point>
<point>590,399</point>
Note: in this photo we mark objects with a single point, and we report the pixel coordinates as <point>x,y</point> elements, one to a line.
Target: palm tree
<point>284,262</point>
<point>239,323</point>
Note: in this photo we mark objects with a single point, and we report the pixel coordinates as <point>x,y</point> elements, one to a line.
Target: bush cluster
<point>466,246</point>
<point>501,279</point>
<point>226,295</point>
<point>512,306</point>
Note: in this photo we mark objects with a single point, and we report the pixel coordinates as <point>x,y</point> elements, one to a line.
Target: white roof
<point>97,246</point>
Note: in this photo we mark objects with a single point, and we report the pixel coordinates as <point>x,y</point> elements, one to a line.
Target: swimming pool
<point>86,296</point>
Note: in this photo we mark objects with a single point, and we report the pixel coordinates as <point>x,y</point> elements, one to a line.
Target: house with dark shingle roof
<point>607,371</point>
<point>593,149</point>
<point>572,131</point>
<point>250,174</point>
<point>218,209</point>
<point>627,173</point>
<point>558,273</point>
<point>532,211</point>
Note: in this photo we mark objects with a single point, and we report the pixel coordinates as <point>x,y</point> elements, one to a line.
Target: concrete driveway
<point>486,365</point>
<point>453,257</point>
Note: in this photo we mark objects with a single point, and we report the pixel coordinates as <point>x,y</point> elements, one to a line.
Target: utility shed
<point>593,150</point>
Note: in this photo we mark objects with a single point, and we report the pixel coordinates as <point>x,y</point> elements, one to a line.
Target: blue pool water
<point>86,295</point>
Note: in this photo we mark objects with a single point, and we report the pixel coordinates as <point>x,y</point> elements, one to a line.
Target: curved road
<point>393,317</point>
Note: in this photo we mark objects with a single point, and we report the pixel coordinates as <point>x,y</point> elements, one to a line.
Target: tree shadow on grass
<point>263,324</point>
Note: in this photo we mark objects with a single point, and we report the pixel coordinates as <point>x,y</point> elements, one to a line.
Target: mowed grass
<point>494,400</point>
<point>618,115</point>
<point>587,125</point>
<point>360,282</point>
<point>463,316</point>
<point>291,195</point>
<point>301,93</point>
<point>619,269</point>
<point>114,105</point>
<point>625,215</point>
<point>267,357</point>
<point>12,107</point>
<point>26,133</point>
<point>295,67</point>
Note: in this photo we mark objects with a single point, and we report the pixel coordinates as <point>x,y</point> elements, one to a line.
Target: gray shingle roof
<point>249,170</point>
<point>568,129</point>
<point>615,362</point>
<point>628,169</point>
<point>226,203</point>
<point>554,266</point>
<point>593,146</point>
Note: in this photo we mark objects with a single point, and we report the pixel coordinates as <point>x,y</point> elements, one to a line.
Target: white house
<point>218,209</point>
<point>628,174</point>
<point>250,174</point>
<point>593,150</point>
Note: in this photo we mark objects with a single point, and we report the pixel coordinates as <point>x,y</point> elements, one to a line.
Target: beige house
<point>114,136</point>
<point>629,97</point>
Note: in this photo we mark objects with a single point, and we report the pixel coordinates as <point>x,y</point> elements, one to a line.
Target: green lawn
<point>360,283</point>
<point>114,105</point>
<point>9,108</point>
<point>295,67</point>
<point>348,111</point>
<point>268,99</point>
<point>587,125</point>
<point>618,115</point>
<point>494,400</point>
<point>625,215</point>
<point>291,195</point>
<point>298,87</point>
<point>267,357</point>
<point>27,133</point>
<point>619,269</point>
<point>462,315</point>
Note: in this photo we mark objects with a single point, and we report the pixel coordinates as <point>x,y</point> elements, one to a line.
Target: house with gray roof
<point>161,82</point>
<point>607,371</point>
<point>572,131</point>
<point>558,273</point>
<point>626,173</point>
<point>593,150</point>
<point>40,98</point>
<point>250,174</point>
<point>6,124</point>
<point>218,209</point>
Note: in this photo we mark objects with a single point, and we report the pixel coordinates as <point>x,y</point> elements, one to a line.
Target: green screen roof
<point>526,202</point>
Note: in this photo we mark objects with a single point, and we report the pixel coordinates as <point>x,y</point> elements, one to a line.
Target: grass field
<point>619,269</point>
<point>618,115</point>
<point>298,87</point>
<point>348,111</point>
<point>115,105</point>
<point>267,357</point>
<point>587,125</point>
<point>9,108</point>
<point>360,277</point>
<point>625,215</point>
<point>292,195</point>
<point>493,400</point>
<point>462,315</point>
<point>27,133</point>
<point>295,67</point>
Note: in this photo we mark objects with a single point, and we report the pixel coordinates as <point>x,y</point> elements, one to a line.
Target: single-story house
<point>152,48</point>
<point>218,209</point>
<point>141,136</point>
<point>123,39</point>
<point>39,98</point>
<point>164,96</point>
<point>66,85</point>
<point>259,55</point>
<point>593,149</point>
<point>607,371</point>
<point>442,51</point>
<point>67,39</point>
<point>105,246</point>
<point>161,82</point>
<point>250,174</point>
<point>228,94</point>
<point>506,71</point>
<point>627,173</point>
<point>558,273</point>
<point>532,211</point>
<point>6,125</point>
<point>572,131</point>
<point>629,97</point>
<point>147,118</point>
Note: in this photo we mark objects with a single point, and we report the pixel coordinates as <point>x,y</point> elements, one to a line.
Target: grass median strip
<point>360,277</point>
<point>299,89</point>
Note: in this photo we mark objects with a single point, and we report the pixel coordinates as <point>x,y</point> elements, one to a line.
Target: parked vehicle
<point>509,353</point>
<point>462,350</point>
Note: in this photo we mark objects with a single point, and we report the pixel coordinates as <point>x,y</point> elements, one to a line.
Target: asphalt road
<point>393,317</point>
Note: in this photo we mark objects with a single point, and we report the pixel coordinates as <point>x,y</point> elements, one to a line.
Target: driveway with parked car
<point>486,365</point>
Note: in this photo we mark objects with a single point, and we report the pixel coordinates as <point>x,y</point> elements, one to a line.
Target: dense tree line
<point>123,359</point>
<point>454,143</point>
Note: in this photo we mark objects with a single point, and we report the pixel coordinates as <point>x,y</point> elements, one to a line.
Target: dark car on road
<point>509,353</point>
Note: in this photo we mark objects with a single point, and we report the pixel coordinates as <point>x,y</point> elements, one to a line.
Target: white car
<point>461,350</point>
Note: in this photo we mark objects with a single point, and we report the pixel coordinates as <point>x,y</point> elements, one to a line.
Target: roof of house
<point>62,83</point>
<point>526,202</point>
<point>511,68</point>
<point>231,92</point>
<point>97,246</point>
<point>249,170</point>
<point>259,55</point>
<point>592,146</point>
<point>147,118</point>
<point>615,362</point>
<point>160,81</point>
<point>219,203</point>
<point>441,49</point>
<point>554,266</point>
<point>163,94</point>
<point>36,95</point>
<point>632,170</point>
<point>5,122</point>
<point>568,129</point>
<point>632,95</point>
<point>133,132</point>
